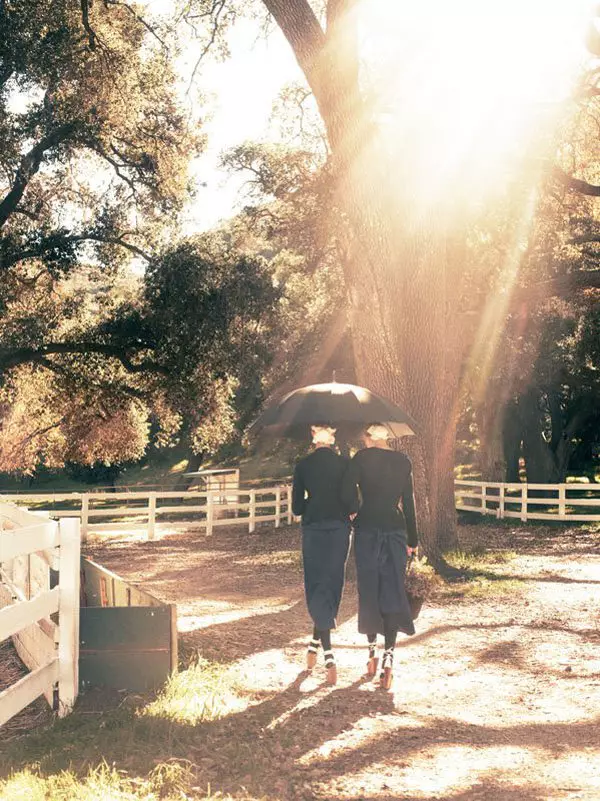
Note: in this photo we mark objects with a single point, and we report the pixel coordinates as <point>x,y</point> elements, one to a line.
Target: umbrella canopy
<point>344,406</point>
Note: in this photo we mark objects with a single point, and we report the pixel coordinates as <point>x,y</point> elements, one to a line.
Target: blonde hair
<point>323,435</point>
<point>378,432</point>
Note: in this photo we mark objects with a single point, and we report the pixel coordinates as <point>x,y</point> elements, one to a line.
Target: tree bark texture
<point>401,267</point>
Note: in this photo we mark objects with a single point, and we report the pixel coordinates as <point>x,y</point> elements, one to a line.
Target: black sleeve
<point>349,491</point>
<point>408,507</point>
<point>298,499</point>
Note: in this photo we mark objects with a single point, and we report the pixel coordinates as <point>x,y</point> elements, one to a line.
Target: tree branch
<point>85,19</point>
<point>576,184</point>
<point>130,392</point>
<point>137,17</point>
<point>564,286</point>
<point>16,356</point>
<point>29,165</point>
<point>301,28</point>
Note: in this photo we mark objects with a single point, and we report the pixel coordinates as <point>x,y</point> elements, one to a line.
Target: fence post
<point>524,503</point>
<point>289,505</point>
<point>210,511</point>
<point>252,519</point>
<point>501,503</point>
<point>68,614</point>
<point>562,501</point>
<point>277,507</point>
<point>85,510</point>
<point>483,499</point>
<point>151,515</point>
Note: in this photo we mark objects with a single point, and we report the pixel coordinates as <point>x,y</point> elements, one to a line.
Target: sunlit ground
<point>496,696</point>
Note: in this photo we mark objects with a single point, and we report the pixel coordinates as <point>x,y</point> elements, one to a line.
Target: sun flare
<point>467,88</point>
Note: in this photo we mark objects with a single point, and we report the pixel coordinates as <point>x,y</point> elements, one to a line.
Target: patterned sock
<point>329,659</point>
<point>372,638</point>
<point>313,646</point>
<point>388,659</point>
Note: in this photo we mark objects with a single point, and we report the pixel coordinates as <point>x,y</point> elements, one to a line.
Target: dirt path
<point>496,697</point>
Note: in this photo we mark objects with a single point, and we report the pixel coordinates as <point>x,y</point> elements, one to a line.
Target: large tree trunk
<point>511,440</point>
<point>402,299</point>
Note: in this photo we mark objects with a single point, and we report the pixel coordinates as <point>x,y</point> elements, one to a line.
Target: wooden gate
<point>43,622</point>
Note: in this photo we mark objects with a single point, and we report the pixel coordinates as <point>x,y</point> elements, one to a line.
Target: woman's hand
<point>353,515</point>
<point>411,551</point>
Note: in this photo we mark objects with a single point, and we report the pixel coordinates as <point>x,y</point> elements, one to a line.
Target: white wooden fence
<point>30,545</point>
<point>574,502</point>
<point>105,511</point>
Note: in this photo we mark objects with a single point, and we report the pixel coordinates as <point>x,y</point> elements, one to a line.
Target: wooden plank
<point>252,511</point>
<point>68,586</point>
<point>126,647</point>
<point>174,639</point>
<point>278,507</point>
<point>161,510</point>
<point>125,525</point>
<point>93,572</point>
<point>23,692</point>
<point>120,511</point>
<point>107,497</point>
<point>524,502</point>
<point>40,537</point>
<point>548,516</point>
<point>191,494</point>
<point>21,518</point>
<point>210,515</point>
<point>151,515</point>
<point>24,613</point>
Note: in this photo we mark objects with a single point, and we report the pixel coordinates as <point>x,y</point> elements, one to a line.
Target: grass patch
<point>478,578</point>
<point>203,692</point>
<point>168,781</point>
<point>482,587</point>
<point>478,558</point>
<point>140,750</point>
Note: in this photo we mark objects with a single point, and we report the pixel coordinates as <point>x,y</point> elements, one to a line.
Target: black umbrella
<point>343,406</point>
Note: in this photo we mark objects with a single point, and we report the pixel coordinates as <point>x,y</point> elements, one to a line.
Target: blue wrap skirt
<point>380,569</point>
<point>325,548</point>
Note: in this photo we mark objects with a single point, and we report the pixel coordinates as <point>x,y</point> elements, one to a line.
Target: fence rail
<point>530,501</point>
<point>30,545</point>
<point>143,510</point>
<point>109,511</point>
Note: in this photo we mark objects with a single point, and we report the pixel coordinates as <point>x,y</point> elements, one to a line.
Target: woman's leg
<point>387,662</point>
<point>372,661</point>
<point>325,637</point>
<point>313,649</point>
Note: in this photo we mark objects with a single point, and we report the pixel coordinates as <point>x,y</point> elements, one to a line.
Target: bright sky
<point>241,93</point>
<point>481,71</point>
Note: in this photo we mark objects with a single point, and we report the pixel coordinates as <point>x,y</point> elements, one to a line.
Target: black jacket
<point>317,487</point>
<point>384,478</point>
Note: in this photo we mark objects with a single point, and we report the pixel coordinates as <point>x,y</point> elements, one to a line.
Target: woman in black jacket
<point>316,495</point>
<point>384,537</point>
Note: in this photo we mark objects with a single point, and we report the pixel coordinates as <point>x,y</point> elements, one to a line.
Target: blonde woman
<point>316,496</point>
<point>385,534</point>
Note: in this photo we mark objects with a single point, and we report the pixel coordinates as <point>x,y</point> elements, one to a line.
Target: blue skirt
<point>380,569</point>
<point>324,552</point>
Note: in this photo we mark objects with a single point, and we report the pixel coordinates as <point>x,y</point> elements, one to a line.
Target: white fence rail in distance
<point>569,502</point>
<point>109,511</point>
